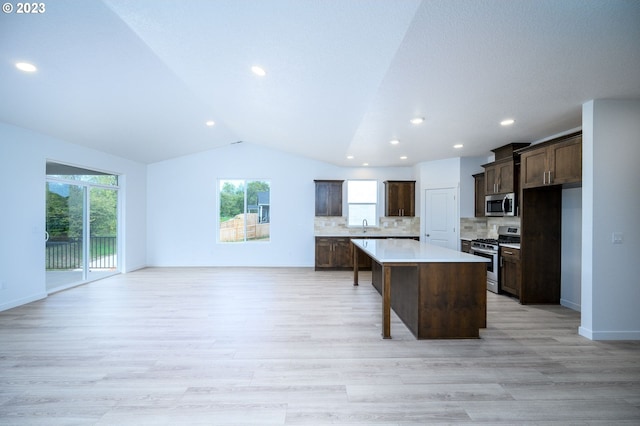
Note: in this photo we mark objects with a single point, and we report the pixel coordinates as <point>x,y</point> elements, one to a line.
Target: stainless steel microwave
<point>500,205</point>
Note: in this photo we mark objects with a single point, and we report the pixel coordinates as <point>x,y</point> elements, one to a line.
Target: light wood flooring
<point>226,346</point>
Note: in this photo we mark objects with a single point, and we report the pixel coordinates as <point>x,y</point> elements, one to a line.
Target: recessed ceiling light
<point>507,122</point>
<point>394,142</point>
<point>210,123</point>
<point>404,157</point>
<point>458,146</point>
<point>417,120</point>
<point>26,67</point>
<point>365,164</point>
<point>349,157</point>
<point>258,71</point>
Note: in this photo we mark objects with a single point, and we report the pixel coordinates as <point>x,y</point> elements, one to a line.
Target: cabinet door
<point>480,208</point>
<point>498,177</point>
<point>565,161</point>
<point>510,271</point>
<point>407,199</point>
<point>342,257</point>
<point>490,179</point>
<point>328,198</point>
<point>533,166</point>
<point>324,252</point>
<point>391,202</point>
<point>504,174</point>
<point>400,198</point>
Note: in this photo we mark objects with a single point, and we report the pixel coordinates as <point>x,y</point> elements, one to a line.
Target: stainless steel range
<point>489,248</point>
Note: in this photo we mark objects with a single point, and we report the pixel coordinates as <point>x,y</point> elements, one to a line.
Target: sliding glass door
<point>81,226</point>
<point>103,231</point>
<point>64,234</point>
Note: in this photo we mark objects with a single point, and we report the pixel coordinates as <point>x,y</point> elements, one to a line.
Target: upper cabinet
<point>328,197</point>
<point>479,204</point>
<point>555,162</point>
<point>400,198</point>
<point>500,177</point>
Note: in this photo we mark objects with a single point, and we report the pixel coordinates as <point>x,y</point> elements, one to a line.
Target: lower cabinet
<point>336,253</point>
<point>333,253</point>
<point>510,271</point>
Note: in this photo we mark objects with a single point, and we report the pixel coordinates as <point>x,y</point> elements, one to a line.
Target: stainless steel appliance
<point>489,248</point>
<point>500,205</point>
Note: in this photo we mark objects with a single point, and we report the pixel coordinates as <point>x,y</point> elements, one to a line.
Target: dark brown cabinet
<point>400,198</point>
<point>540,245</point>
<point>328,197</point>
<point>556,162</point>
<point>499,177</point>
<point>336,253</point>
<point>479,195</point>
<point>333,253</point>
<point>465,246</point>
<point>510,270</point>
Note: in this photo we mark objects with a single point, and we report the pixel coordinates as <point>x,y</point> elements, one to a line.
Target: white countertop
<point>511,245</point>
<point>411,251</point>
<point>366,235</point>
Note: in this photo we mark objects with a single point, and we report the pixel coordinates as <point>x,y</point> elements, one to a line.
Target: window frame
<point>358,223</point>
<point>263,214</point>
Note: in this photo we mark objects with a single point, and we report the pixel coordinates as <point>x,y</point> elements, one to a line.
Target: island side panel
<point>452,300</point>
<point>376,276</point>
<point>404,295</point>
<point>354,255</point>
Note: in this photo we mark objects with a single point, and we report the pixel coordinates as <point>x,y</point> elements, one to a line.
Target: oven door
<point>492,267</point>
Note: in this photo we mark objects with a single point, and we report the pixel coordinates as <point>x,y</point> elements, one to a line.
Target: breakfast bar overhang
<point>437,292</point>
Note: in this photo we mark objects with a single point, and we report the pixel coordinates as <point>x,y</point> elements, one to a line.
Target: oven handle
<point>491,252</point>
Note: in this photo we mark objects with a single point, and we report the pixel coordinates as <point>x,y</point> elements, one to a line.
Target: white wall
<point>469,166</point>
<point>23,156</point>
<point>571,250</point>
<point>611,203</point>
<point>435,175</point>
<point>182,206</point>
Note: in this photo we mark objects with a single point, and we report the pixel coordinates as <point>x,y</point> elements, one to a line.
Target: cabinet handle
<point>550,177</point>
<point>508,252</point>
<point>544,178</point>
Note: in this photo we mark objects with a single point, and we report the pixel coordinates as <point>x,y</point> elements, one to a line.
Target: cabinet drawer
<point>510,253</point>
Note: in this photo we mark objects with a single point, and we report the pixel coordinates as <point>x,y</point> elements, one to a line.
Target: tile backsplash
<point>484,227</point>
<point>391,226</point>
<point>470,227</point>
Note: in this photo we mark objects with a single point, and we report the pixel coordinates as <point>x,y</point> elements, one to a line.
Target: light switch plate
<point>616,238</point>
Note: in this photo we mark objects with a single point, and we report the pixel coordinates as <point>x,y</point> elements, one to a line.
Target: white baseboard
<point>609,335</point>
<point>571,305</point>
<point>23,301</point>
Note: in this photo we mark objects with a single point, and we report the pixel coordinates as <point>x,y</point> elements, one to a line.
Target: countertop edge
<point>457,256</point>
<point>365,236</point>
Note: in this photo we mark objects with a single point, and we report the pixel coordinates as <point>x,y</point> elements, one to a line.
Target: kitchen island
<point>437,292</point>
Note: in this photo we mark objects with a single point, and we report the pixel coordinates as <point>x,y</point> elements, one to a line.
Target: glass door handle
<point>46,236</point>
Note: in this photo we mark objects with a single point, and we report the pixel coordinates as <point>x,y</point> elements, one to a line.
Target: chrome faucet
<point>364,225</point>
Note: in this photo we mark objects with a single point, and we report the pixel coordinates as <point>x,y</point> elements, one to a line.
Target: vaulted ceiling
<point>139,79</point>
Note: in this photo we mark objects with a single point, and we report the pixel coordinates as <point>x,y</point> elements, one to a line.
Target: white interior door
<point>441,217</point>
